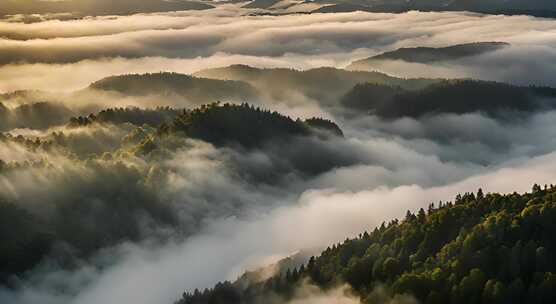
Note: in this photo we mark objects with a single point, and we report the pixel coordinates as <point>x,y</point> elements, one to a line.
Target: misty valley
<point>277,152</point>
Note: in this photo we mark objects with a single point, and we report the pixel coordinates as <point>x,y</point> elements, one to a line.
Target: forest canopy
<point>480,248</point>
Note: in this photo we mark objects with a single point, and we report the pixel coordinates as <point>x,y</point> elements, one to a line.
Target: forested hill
<point>132,115</point>
<point>430,55</point>
<point>450,96</point>
<point>540,8</point>
<point>491,248</point>
<point>97,7</point>
<point>195,89</point>
<point>326,85</point>
<point>100,145</point>
<point>244,124</point>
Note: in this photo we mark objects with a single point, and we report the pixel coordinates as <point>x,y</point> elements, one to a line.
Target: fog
<point>196,40</point>
<point>148,226</point>
<point>225,247</point>
<point>530,64</point>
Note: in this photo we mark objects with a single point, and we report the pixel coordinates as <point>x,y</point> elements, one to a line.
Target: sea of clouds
<point>379,170</point>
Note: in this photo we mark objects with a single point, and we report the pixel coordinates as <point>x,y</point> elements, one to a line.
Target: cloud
<point>380,170</point>
<point>54,77</point>
<point>44,55</point>
<point>311,294</point>
<point>326,190</point>
<point>97,7</point>
<point>146,274</point>
<point>523,64</point>
<point>472,137</point>
<point>192,36</point>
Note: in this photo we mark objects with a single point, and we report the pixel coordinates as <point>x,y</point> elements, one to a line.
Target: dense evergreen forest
<point>244,124</point>
<point>97,7</point>
<point>132,115</point>
<point>277,151</point>
<point>102,147</point>
<point>449,96</point>
<point>480,248</point>
<point>540,8</point>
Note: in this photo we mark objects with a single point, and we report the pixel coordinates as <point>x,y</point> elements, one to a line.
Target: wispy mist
<point>143,226</point>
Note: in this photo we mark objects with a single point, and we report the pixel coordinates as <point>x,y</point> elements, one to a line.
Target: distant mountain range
<point>429,54</point>
<point>261,3</point>
<point>390,97</point>
<point>325,84</point>
<point>541,8</point>
<point>342,92</point>
<point>96,7</point>
<point>194,89</point>
<point>450,96</point>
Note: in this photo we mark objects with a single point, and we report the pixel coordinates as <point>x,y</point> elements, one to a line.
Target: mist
<point>199,262</point>
<point>140,216</point>
<point>187,43</point>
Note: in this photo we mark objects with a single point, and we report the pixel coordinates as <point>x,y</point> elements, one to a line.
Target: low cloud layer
<point>94,7</point>
<point>186,42</point>
<point>225,247</point>
<point>196,213</point>
<point>527,64</point>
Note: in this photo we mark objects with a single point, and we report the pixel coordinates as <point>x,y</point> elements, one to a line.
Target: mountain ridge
<point>480,248</point>
<point>431,54</point>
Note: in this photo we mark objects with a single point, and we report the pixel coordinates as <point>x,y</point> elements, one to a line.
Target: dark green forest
<point>110,166</point>
<point>244,124</point>
<point>58,225</point>
<point>132,115</point>
<point>277,151</point>
<point>449,96</point>
<point>480,248</point>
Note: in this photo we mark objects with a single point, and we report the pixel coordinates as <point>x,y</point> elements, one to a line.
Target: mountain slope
<point>261,3</point>
<point>194,89</point>
<point>479,249</point>
<point>222,124</point>
<point>450,96</point>
<point>430,55</point>
<point>132,115</point>
<point>96,7</point>
<point>104,188</point>
<point>323,84</point>
<point>541,8</point>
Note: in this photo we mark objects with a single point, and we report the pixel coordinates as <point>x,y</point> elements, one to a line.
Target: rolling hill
<point>194,89</point>
<point>491,248</point>
<point>30,236</point>
<point>325,85</point>
<point>222,124</point>
<point>97,7</point>
<point>450,96</point>
<point>429,54</point>
<point>540,8</point>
